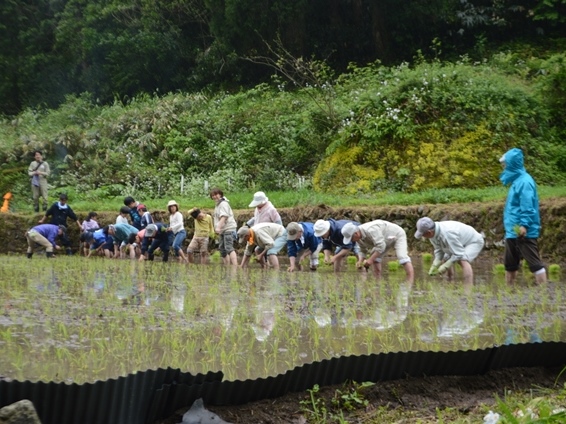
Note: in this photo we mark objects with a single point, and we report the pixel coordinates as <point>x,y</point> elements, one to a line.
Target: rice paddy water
<point>79,321</point>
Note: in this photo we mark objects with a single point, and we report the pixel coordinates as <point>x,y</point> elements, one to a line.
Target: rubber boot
<point>49,254</point>
<point>36,209</point>
<point>29,255</point>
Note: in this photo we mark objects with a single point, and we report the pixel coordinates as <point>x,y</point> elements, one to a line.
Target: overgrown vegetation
<point>380,129</point>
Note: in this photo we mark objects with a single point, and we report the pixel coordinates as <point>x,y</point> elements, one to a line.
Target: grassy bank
<point>82,202</point>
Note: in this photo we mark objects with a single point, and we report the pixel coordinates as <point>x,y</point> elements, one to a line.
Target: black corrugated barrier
<point>147,396</point>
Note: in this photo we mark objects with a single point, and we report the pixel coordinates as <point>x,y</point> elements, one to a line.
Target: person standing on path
<point>521,218</point>
<point>39,171</point>
<point>59,212</point>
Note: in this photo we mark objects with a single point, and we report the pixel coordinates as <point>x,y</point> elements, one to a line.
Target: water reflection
<point>99,322</point>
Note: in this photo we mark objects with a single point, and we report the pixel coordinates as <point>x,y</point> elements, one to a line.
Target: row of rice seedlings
<point>344,294</point>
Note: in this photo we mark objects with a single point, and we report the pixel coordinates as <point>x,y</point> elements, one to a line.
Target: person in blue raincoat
<point>521,218</point>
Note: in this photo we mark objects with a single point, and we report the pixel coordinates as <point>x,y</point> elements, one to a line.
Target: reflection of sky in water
<point>251,323</point>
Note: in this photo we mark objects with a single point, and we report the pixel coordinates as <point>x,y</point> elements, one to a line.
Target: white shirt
<point>176,222</point>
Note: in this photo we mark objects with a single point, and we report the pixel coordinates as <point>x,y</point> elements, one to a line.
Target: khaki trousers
<point>38,192</point>
<point>34,237</point>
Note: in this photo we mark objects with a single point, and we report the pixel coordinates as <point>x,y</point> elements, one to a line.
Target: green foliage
<point>429,126</point>
<point>421,130</point>
<point>349,399</point>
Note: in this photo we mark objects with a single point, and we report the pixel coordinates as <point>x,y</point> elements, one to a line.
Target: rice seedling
<point>427,258</point>
<point>499,269</point>
<point>119,317</point>
<point>554,269</point>
<point>393,266</point>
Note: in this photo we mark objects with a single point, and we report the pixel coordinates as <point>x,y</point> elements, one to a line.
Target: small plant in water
<point>499,269</point>
<point>554,269</point>
<point>427,257</point>
<point>393,266</point>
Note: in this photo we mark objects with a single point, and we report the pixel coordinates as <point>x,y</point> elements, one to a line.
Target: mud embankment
<point>486,217</point>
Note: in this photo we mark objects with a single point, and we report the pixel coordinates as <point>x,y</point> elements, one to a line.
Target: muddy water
<point>70,319</point>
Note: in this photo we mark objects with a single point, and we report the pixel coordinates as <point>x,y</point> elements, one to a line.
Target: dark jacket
<point>59,215</point>
<point>336,238</point>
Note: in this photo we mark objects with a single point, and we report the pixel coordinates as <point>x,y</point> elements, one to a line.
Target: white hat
<point>423,225</point>
<point>348,231</point>
<point>172,203</point>
<point>321,227</point>
<point>259,199</point>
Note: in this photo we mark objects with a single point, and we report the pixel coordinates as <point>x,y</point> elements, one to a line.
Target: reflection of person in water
<point>387,312</point>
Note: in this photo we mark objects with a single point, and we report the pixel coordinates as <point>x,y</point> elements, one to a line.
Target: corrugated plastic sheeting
<point>122,400</point>
<point>145,397</point>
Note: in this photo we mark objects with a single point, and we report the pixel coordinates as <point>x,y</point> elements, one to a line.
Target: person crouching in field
<point>330,231</point>
<point>204,232</point>
<point>120,234</point>
<point>45,236</point>
<point>268,236</point>
<point>374,238</point>
<point>453,240</point>
<point>301,242</point>
<point>156,236</point>
<point>99,242</point>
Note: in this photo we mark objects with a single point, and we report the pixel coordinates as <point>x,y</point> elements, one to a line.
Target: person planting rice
<point>301,242</point>
<point>44,235</point>
<point>120,234</point>
<point>374,239</point>
<point>453,242</point>
<point>521,218</point>
<point>156,236</point>
<point>268,236</point>
<point>330,231</point>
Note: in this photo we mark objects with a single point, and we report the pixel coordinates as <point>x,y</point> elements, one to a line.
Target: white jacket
<point>451,238</point>
<point>264,236</point>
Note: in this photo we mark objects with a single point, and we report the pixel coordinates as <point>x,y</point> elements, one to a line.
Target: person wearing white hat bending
<point>264,212</point>
<point>330,231</point>
<point>454,241</point>
<point>374,239</point>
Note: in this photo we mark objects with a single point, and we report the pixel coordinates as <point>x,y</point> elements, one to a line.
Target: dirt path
<point>410,400</point>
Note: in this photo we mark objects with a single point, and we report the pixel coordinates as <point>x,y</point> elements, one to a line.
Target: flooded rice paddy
<point>75,320</point>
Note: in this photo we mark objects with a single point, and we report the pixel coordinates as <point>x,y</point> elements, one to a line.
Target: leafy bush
<point>430,126</point>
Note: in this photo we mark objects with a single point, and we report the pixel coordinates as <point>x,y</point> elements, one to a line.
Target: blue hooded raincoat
<point>521,207</point>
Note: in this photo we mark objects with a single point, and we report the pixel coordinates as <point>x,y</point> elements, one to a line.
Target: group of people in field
<point>136,235</point>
